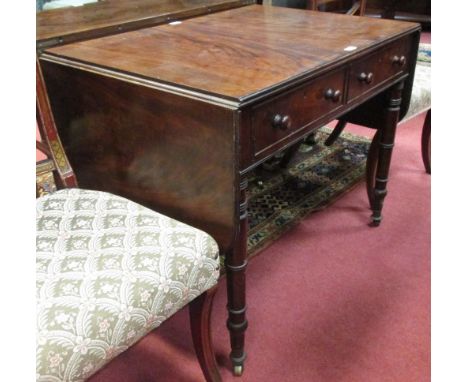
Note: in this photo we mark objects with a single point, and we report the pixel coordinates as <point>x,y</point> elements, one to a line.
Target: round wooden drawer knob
<point>333,95</point>
<point>399,60</point>
<point>282,122</point>
<point>366,77</point>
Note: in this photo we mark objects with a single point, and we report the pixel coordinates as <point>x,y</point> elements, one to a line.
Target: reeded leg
<point>385,148</point>
<point>200,324</point>
<point>341,124</point>
<point>426,142</point>
<point>371,166</point>
<point>236,263</point>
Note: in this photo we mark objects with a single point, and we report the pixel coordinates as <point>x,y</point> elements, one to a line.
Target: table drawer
<point>274,121</point>
<point>378,67</point>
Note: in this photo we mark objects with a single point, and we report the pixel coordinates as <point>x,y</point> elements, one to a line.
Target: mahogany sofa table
<point>174,116</point>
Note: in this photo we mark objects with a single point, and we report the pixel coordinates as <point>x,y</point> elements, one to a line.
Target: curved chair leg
<point>336,132</point>
<point>426,142</point>
<point>371,166</point>
<point>200,324</point>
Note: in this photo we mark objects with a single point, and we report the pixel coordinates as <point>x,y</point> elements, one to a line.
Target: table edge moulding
<point>177,125</point>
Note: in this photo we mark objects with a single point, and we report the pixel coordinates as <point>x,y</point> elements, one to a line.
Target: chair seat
<point>108,272</point>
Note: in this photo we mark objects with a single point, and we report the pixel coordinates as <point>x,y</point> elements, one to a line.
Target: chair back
<point>55,171</point>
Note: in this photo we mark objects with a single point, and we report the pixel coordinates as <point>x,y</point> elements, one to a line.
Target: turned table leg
<point>236,263</point>
<point>385,147</point>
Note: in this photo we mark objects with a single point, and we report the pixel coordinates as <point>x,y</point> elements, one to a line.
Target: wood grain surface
<point>112,16</point>
<point>160,150</point>
<point>237,53</point>
<point>174,116</point>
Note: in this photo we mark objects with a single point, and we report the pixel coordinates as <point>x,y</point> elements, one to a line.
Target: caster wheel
<point>376,218</point>
<point>238,370</point>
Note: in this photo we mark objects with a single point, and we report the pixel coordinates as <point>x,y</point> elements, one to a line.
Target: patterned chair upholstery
<point>108,272</point>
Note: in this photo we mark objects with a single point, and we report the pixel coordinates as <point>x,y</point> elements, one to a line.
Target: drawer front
<point>275,121</point>
<point>375,69</point>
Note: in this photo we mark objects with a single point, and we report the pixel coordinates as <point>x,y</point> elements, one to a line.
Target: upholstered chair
<point>108,270</point>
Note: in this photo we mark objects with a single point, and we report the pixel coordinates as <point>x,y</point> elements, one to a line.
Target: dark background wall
<point>411,6</point>
<point>290,3</point>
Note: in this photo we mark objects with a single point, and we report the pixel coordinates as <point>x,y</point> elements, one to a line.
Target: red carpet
<point>332,300</point>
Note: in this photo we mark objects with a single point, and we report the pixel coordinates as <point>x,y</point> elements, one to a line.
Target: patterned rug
<point>316,176</point>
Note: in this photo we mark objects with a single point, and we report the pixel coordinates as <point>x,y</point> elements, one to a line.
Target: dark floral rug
<point>316,176</point>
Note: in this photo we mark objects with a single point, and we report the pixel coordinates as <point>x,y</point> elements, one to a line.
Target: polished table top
<point>239,53</point>
<point>175,116</point>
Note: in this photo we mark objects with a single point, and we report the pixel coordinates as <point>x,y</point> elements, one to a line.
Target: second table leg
<point>236,263</point>
<point>385,148</point>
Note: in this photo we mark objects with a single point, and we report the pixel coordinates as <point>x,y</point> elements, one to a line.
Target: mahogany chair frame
<point>57,161</point>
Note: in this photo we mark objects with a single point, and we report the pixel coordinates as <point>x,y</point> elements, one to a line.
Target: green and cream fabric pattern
<point>108,272</point>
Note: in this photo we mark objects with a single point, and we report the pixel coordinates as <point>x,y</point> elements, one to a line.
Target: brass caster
<point>376,219</point>
<point>238,370</point>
